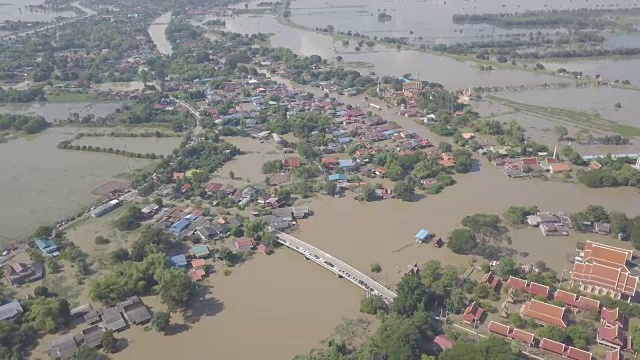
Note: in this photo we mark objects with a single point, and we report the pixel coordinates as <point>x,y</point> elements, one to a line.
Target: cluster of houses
<point>551,224</point>
<point>528,166</point>
<point>118,318</point>
<point>602,272</point>
<point>186,221</point>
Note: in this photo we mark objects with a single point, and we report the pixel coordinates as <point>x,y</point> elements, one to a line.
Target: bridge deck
<point>335,265</point>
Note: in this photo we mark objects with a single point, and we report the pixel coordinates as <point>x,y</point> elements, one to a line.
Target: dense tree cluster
<point>26,123</point>
<point>482,235</point>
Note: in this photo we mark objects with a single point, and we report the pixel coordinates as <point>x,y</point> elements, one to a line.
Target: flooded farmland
<point>143,145</point>
<point>59,111</point>
<point>385,61</point>
<point>42,184</point>
<point>16,10</point>
<point>426,21</point>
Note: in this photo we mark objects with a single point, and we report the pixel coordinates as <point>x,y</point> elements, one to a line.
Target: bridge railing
<point>389,294</point>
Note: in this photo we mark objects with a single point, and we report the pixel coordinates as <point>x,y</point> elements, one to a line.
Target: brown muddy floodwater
<point>271,307</point>
<point>599,100</point>
<point>59,111</point>
<point>451,73</point>
<point>383,232</point>
<point>42,184</point>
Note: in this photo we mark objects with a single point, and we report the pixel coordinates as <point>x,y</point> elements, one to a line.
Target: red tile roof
<point>577,354</point>
<point>444,342</point>
<point>245,242</point>
<point>560,167</point>
<point>616,278</point>
<point>610,316</point>
<point>264,249</point>
<point>328,161</point>
<point>198,263</point>
<point>613,355</point>
<point>572,300</point>
<point>292,162</point>
<point>537,289</point>
<point>610,334</point>
<point>497,328</point>
<point>552,346</point>
<point>491,279</point>
<point>526,337</point>
<point>546,313</point>
<point>472,313</point>
<point>516,283</point>
<point>530,161</point>
<point>606,255</point>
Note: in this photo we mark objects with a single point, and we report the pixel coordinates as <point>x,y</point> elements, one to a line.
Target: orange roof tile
<point>552,346</point>
<point>516,283</point>
<point>610,316</point>
<point>547,313</point>
<point>497,328</point>
<point>525,337</point>
<point>577,354</point>
<point>610,334</point>
<point>613,355</point>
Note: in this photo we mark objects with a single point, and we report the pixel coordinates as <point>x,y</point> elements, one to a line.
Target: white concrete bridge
<point>340,268</point>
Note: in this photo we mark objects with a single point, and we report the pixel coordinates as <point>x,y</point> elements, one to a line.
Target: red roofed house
<point>559,168</point>
<point>244,244</point>
<point>18,273</point>
<point>523,336</point>
<point>292,162</point>
<point>186,187</point>
<point>613,355</point>
<point>572,300</point>
<point>544,314</point>
<point>444,342</point>
<point>516,284</point>
<point>492,280</point>
<point>595,165</point>
<point>604,271</point>
<point>515,334</point>
<point>178,176</point>
<point>533,288</point>
<point>564,351</point>
<point>610,336</point>
<point>577,354</point>
<point>611,317</point>
<point>472,314</point>
<point>330,162</point>
<point>446,160</point>
<point>499,329</point>
<point>265,249</point>
<point>553,346</point>
<point>536,289</point>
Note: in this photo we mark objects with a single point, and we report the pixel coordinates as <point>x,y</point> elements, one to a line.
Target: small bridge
<point>340,268</point>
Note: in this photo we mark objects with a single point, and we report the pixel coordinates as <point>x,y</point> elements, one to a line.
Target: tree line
<point>27,123</point>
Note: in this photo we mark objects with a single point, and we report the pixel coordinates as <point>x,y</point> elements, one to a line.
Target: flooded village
<point>288,180</point>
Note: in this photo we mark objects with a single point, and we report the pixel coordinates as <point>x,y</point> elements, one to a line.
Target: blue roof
<point>179,226</point>
<point>422,234</point>
<point>200,249</point>
<point>179,260</point>
<point>347,163</point>
<point>335,177</point>
<point>46,244</point>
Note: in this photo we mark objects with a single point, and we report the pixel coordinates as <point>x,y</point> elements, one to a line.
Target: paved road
<point>198,130</point>
<point>335,265</point>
